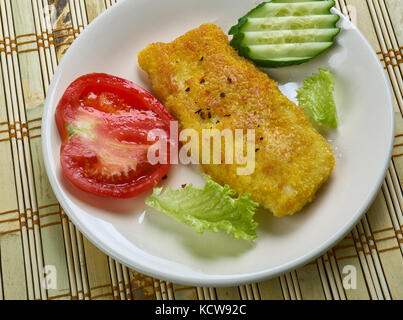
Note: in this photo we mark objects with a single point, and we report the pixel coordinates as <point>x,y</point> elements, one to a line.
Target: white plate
<point>159,246</point>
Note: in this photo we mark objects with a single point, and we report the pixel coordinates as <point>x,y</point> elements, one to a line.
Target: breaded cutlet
<point>200,69</point>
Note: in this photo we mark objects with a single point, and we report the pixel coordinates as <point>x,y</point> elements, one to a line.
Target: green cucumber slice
<point>293,1</point>
<point>286,31</point>
<point>278,9</point>
<point>290,23</point>
<point>287,36</point>
<point>289,50</point>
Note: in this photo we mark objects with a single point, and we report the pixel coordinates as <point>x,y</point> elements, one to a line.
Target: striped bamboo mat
<point>38,243</point>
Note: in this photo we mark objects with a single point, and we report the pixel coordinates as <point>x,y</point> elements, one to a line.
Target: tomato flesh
<point>104,122</point>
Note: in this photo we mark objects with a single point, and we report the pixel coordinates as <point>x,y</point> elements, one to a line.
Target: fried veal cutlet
<point>201,71</point>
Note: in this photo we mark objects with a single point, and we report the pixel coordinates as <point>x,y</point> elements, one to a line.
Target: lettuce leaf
<point>316,97</point>
<point>212,207</point>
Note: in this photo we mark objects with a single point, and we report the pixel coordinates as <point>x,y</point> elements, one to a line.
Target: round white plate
<point>157,245</point>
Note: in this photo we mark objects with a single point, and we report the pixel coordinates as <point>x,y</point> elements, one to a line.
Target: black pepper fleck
<point>201,59</point>
<point>229,80</point>
<point>202,81</point>
<point>209,115</point>
<point>227,115</point>
<point>187,89</point>
<point>257,149</point>
<point>217,121</point>
<point>261,138</point>
<point>198,111</point>
<point>222,94</point>
<point>202,115</point>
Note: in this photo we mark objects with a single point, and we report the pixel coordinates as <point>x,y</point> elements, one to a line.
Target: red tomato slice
<point>104,122</point>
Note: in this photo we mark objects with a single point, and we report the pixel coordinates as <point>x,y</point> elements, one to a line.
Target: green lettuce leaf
<point>316,97</point>
<point>212,207</point>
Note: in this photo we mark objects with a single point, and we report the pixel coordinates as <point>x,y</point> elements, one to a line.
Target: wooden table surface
<point>43,255</point>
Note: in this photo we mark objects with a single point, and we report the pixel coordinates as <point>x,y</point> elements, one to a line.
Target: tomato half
<point>104,121</point>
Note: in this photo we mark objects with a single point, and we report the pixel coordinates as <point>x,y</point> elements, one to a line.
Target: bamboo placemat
<point>38,241</point>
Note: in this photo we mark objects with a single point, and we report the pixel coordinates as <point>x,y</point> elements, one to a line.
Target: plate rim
<point>215,280</point>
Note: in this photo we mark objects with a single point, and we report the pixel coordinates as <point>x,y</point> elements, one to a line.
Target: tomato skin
<point>123,124</point>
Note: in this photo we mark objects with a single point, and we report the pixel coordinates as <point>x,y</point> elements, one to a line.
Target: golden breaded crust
<point>201,69</point>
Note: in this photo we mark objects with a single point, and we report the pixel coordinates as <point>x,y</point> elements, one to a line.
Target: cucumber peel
<point>285,32</point>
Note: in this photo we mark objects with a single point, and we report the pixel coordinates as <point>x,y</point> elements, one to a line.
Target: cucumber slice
<point>285,32</point>
<point>292,1</point>
<point>290,23</point>
<point>278,9</point>
<point>289,50</point>
<point>287,36</point>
